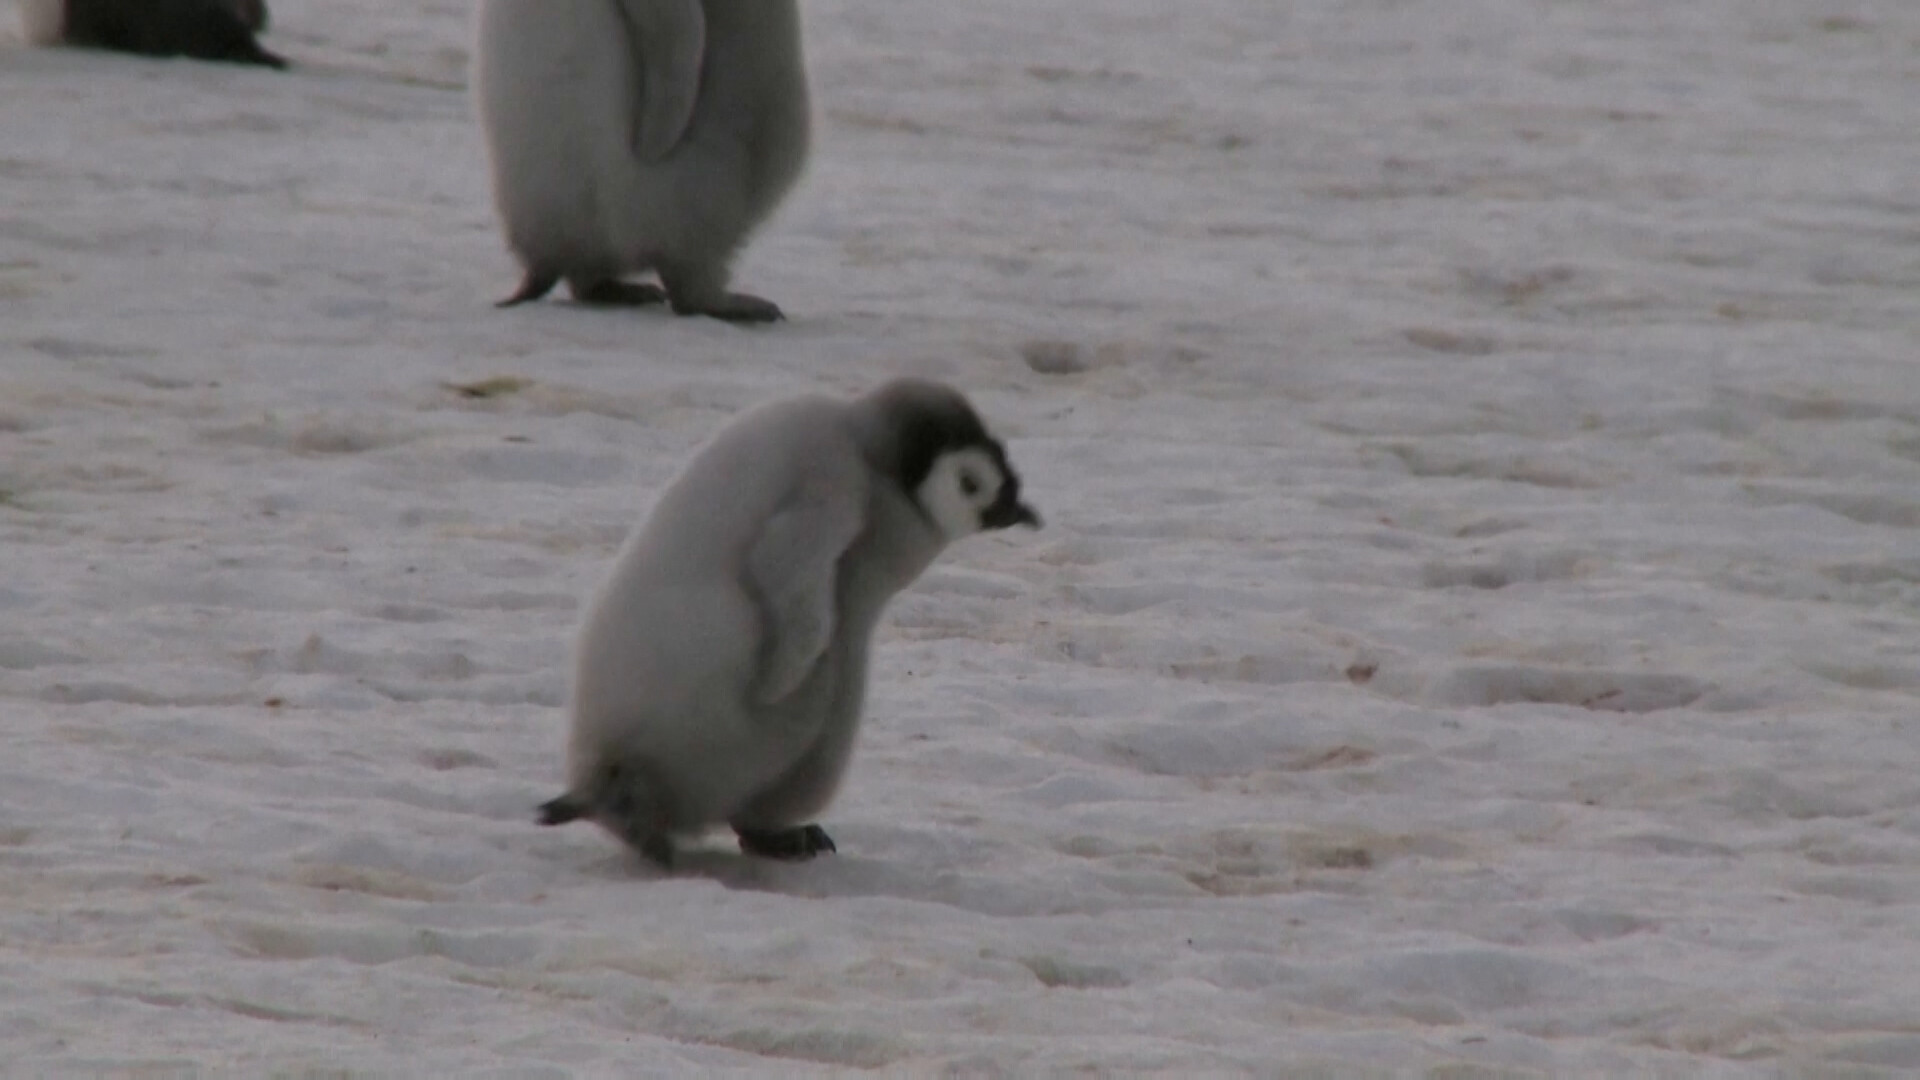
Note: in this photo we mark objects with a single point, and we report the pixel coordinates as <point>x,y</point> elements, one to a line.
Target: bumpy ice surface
<point>1477,629</point>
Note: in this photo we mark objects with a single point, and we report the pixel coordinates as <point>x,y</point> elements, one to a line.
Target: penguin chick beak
<point>1007,515</point>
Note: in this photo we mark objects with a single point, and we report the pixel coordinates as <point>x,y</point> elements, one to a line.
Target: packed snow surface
<point>1477,629</point>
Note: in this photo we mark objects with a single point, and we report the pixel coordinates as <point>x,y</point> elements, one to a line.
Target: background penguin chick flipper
<point>669,40</point>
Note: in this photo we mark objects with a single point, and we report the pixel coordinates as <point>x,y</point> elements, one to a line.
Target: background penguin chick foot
<point>615,293</point>
<point>733,307</point>
<point>246,52</point>
<point>536,284</point>
<point>560,811</point>
<point>792,845</point>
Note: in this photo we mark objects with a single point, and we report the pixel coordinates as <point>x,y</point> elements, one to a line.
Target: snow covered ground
<point>1477,628</point>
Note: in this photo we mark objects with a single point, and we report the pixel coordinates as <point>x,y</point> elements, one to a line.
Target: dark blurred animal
<point>203,29</point>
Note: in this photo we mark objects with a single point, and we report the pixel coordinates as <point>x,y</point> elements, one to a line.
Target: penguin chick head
<point>957,474</point>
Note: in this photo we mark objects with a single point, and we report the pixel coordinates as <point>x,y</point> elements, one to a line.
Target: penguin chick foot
<point>561,810</point>
<point>630,815</point>
<point>791,845</point>
<point>615,293</point>
<point>254,54</point>
<point>656,848</point>
<point>733,307</point>
<point>535,285</point>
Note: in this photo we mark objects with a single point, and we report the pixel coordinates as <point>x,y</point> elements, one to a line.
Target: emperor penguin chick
<point>720,670</point>
<point>202,29</point>
<point>628,136</point>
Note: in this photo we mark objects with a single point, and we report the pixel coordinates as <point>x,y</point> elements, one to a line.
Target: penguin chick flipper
<point>791,569</point>
<point>791,845</point>
<point>668,41</point>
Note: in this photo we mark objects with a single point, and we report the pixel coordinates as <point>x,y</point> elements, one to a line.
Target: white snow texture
<point>1477,631</point>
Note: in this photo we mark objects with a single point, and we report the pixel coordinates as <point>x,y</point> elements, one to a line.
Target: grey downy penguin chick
<point>201,29</point>
<point>628,136</point>
<point>720,670</point>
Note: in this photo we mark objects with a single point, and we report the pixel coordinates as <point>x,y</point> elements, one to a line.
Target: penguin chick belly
<point>697,207</point>
<point>754,97</point>
<point>554,85</point>
<point>745,145</point>
<point>808,783</point>
<point>723,779</point>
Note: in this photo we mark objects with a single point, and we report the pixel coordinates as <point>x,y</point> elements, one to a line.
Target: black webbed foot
<point>630,815</point>
<point>620,803</point>
<point>616,293</point>
<point>655,848</point>
<point>536,284</point>
<point>262,57</point>
<point>561,810</point>
<point>733,308</point>
<point>791,845</point>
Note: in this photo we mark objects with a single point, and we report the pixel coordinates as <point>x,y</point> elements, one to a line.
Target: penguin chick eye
<point>968,485</point>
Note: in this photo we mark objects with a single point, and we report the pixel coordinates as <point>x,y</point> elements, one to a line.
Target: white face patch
<point>958,489</point>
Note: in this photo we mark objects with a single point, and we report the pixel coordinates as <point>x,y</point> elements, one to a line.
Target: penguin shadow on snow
<point>829,874</point>
<point>931,865</point>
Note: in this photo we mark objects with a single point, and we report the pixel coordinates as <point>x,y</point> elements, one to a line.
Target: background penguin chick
<point>721,669</point>
<point>201,29</point>
<point>253,14</point>
<point>635,136</point>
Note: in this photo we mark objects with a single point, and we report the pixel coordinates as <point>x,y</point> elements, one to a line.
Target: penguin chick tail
<point>561,810</point>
